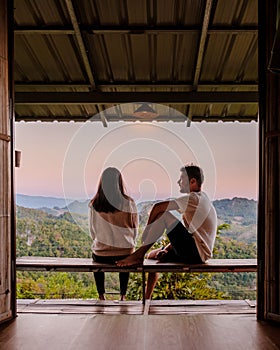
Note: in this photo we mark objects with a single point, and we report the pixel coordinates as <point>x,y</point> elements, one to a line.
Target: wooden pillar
<point>269,214</point>
<point>7,285</point>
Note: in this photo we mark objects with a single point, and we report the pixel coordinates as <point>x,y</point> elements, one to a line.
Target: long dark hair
<point>110,195</point>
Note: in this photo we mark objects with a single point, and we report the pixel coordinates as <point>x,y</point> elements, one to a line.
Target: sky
<point>66,159</point>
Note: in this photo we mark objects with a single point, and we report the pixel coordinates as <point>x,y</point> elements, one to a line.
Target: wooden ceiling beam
<point>72,98</point>
<point>142,84</point>
<point>137,30</point>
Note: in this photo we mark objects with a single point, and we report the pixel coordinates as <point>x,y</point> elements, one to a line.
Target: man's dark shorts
<point>183,246</point>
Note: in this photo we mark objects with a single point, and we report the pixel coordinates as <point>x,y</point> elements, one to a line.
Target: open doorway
<point>58,178</point>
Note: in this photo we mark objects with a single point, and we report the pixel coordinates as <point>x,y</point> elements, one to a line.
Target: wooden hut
<point>209,59</point>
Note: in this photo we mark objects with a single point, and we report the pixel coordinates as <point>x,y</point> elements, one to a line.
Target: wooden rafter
<point>80,42</point>
<point>202,42</point>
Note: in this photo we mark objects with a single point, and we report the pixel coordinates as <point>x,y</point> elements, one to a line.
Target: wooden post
<point>7,289</point>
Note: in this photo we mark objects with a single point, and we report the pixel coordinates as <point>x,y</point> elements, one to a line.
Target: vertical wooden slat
<point>261,197</point>
<point>5,171</point>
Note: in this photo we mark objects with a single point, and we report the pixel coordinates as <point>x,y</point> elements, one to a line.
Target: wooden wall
<point>6,303</point>
<point>269,213</point>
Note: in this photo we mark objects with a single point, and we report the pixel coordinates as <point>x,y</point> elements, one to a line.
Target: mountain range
<point>239,213</point>
<point>38,202</point>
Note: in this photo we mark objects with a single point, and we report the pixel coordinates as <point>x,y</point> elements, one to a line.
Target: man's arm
<point>160,208</point>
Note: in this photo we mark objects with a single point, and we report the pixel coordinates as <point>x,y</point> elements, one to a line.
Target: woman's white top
<point>115,233</point>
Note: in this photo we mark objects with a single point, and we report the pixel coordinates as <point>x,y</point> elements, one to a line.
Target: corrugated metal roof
<point>143,46</point>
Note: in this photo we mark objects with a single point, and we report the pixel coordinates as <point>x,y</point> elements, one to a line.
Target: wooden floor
<point>154,307</point>
<point>91,324</point>
<point>125,332</point>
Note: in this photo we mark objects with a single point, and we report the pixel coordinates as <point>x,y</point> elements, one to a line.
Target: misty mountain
<point>78,207</point>
<point>37,202</point>
<point>237,209</point>
<point>241,215</point>
<point>228,210</point>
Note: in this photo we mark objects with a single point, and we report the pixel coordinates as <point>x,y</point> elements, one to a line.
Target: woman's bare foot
<point>131,260</point>
<point>122,298</point>
<point>136,258</point>
<point>101,297</point>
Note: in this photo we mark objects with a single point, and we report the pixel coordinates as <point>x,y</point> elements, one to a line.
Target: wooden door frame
<point>268,218</point>
<point>263,52</point>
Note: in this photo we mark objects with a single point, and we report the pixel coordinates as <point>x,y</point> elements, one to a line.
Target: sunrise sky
<point>66,159</point>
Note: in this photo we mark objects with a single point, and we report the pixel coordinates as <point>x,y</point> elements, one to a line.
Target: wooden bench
<point>87,265</point>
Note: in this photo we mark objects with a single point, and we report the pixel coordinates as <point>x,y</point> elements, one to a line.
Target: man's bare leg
<point>152,280</point>
<point>151,233</point>
<point>152,276</point>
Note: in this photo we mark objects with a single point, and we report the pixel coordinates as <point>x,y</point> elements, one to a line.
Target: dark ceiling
<point>76,59</point>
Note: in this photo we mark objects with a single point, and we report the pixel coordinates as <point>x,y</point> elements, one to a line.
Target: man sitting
<point>192,239</point>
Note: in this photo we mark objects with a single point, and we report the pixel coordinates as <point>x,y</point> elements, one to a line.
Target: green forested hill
<point>42,234</point>
<point>237,208</point>
<point>240,213</point>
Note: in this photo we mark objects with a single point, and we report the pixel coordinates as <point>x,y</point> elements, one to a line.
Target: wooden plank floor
<point>74,306</point>
<point>138,332</point>
<point>154,307</point>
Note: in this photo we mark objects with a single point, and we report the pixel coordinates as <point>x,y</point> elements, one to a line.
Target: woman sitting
<point>113,222</point>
